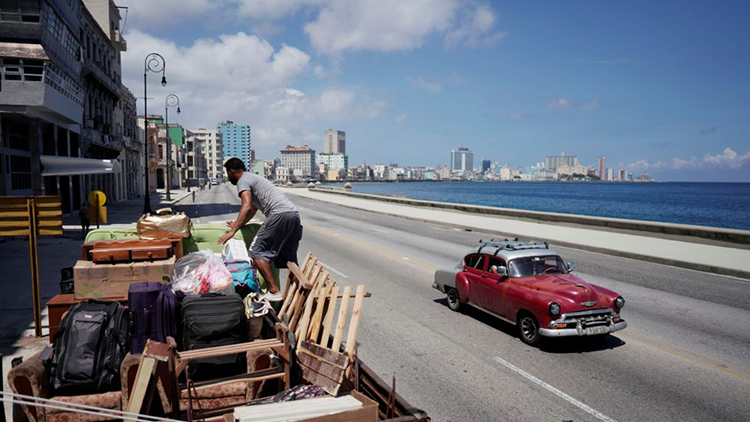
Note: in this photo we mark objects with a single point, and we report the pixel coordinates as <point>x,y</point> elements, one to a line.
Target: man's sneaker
<point>273,297</point>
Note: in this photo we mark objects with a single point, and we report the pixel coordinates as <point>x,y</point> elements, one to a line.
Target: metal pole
<point>147,196</point>
<point>34,253</point>
<point>169,151</point>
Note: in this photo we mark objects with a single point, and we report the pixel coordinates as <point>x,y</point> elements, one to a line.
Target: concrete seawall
<point>715,233</point>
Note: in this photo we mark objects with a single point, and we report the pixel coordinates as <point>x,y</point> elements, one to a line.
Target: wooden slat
<point>142,379</point>
<point>321,373</point>
<point>351,338</point>
<point>297,312</point>
<point>341,322</point>
<point>290,291</point>
<point>310,267</point>
<point>329,316</point>
<point>228,350</point>
<point>50,232</point>
<point>306,261</point>
<point>318,315</point>
<point>304,281</point>
<point>301,331</point>
<point>10,231</point>
<point>335,358</point>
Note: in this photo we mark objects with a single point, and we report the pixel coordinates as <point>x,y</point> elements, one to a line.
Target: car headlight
<point>619,302</point>
<point>554,309</point>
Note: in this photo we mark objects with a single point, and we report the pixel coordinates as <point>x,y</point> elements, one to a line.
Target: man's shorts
<point>278,239</point>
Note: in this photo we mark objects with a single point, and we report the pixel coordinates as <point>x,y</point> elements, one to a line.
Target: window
<point>20,172</point>
<point>61,32</point>
<point>537,265</point>
<point>22,70</point>
<point>474,261</point>
<point>19,11</point>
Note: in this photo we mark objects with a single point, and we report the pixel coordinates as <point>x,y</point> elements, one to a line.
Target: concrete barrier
<point>716,233</point>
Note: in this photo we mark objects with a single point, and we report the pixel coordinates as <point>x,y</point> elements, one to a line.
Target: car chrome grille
<point>588,318</point>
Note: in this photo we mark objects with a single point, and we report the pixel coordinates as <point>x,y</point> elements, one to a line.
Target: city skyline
<point>503,79</point>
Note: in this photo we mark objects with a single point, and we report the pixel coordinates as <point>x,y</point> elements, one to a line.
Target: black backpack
<point>211,320</point>
<point>89,348</point>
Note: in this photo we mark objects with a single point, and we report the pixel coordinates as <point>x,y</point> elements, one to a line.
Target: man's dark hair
<point>234,163</point>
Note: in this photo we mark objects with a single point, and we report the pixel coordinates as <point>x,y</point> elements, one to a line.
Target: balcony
<point>119,42</point>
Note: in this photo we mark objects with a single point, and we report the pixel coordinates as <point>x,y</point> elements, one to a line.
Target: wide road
<point>684,357</point>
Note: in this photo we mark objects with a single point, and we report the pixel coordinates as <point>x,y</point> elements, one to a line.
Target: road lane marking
<point>583,406</point>
<point>378,230</point>
<point>685,356</point>
<point>333,269</point>
<point>372,248</point>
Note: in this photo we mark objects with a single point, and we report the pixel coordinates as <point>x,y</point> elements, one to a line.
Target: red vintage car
<point>527,284</point>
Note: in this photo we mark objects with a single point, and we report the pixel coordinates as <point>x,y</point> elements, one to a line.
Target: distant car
<point>527,284</point>
<point>215,182</point>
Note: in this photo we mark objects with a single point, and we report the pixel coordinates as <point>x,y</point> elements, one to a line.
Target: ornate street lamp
<point>154,62</point>
<point>172,100</point>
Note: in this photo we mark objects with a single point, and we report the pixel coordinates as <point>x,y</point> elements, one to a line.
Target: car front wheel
<point>528,330</point>
<point>453,303</point>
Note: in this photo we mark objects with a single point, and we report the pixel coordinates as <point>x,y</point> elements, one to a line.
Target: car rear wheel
<point>528,329</point>
<point>453,303</point>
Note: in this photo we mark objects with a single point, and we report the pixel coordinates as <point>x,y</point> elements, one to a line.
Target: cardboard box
<point>99,281</point>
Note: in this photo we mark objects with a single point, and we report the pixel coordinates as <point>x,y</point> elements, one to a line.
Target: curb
<point>715,233</point>
<point>739,274</point>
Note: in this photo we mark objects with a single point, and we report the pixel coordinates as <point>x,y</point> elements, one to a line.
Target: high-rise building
<point>300,160</point>
<point>486,164</point>
<point>610,174</point>
<point>338,162</point>
<point>602,168</point>
<point>236,141</point>
<point>334,142</point>
<point>623,175</point>
<point>462,160</point>
<point>213,151</point>
<point>555,161</point>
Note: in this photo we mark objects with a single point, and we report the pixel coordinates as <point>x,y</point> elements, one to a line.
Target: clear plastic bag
<point>200,272</point>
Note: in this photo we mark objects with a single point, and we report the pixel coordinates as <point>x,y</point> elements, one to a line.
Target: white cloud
<point>728,159</point>
<point>380,25</point>
<point>559,104</point>
<point>475,28</point>
<point>420,83</point>
<point>566,104</point>
<point>401,118</point>
<point>242,78</point>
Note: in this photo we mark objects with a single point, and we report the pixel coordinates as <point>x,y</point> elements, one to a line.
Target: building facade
<point>196,162</point>
<point>236,141</point>
<point>41,96</point>
<point>334,142</point>
<point>602,168</point>
<point>486,164</point>
<point>214,152</point>
<point>300,160</point>
<point>554,161</point>
<point>337,162</point>
<point>462,160</point>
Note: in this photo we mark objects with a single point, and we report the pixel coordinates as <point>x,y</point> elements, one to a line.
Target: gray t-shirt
<point>266,197</point>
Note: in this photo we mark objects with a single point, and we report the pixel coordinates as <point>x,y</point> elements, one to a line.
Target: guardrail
<point>715,233</point>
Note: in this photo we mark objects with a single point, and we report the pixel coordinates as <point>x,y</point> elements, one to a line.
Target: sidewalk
<point>696,256</point>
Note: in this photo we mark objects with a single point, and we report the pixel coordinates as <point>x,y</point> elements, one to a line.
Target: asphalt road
<point>684,357</point>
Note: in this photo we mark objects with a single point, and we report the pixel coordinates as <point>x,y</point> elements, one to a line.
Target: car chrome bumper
<point>578,332</point>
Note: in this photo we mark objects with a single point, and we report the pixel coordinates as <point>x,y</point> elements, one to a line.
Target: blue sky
<point>657,87</point>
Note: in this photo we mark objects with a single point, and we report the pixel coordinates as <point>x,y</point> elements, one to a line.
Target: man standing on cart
<point>278,239</point>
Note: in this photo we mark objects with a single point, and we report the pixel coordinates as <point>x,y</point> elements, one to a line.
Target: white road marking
<point>405,258</point>
<point>378,230</point>
<point>333,270</point>
<point>555,391</point>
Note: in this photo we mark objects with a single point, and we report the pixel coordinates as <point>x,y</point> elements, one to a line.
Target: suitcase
<point>156,310</point>
<point>130,250</point>
<point>212,320</point>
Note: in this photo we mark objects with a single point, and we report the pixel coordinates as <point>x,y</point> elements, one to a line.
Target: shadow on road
<point>549,345</point>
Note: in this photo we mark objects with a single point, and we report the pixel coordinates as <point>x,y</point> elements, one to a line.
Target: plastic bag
<point>200,272</point>
<point>235,250</point>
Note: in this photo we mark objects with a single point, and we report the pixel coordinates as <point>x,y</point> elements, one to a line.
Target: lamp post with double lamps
<point>154,62</point>
<point>172,100</point>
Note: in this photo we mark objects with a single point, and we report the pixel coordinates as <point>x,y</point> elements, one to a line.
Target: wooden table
<point>60,304</point>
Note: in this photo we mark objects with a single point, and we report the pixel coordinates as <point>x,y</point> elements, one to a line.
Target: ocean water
<point>705,204</point>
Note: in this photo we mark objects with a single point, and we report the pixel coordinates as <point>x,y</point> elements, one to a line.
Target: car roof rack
<point>511,245</point>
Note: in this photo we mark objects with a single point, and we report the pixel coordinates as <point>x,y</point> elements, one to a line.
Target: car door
<point>474,269</point>
<point>496,287</point>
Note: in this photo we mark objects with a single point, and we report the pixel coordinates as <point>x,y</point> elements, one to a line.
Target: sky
<point>658,87</point>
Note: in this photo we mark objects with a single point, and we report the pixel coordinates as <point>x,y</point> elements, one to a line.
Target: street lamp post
<point>154,62</point>
<point>172,100</point>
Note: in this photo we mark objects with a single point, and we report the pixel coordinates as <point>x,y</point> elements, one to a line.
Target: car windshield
<point>537,265</point>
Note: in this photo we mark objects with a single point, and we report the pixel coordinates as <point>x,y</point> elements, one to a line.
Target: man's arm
<point>247,212</point>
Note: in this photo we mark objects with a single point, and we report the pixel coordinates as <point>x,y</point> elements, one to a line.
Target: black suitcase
<point>212,320</point>
<point>89,348</point>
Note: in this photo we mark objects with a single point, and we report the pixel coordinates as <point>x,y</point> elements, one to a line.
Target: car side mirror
<point>571,266</point>
<point>503,271</point>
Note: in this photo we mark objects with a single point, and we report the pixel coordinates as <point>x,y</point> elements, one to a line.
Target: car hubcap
<point>529,328</point>
<point>452,298</point>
